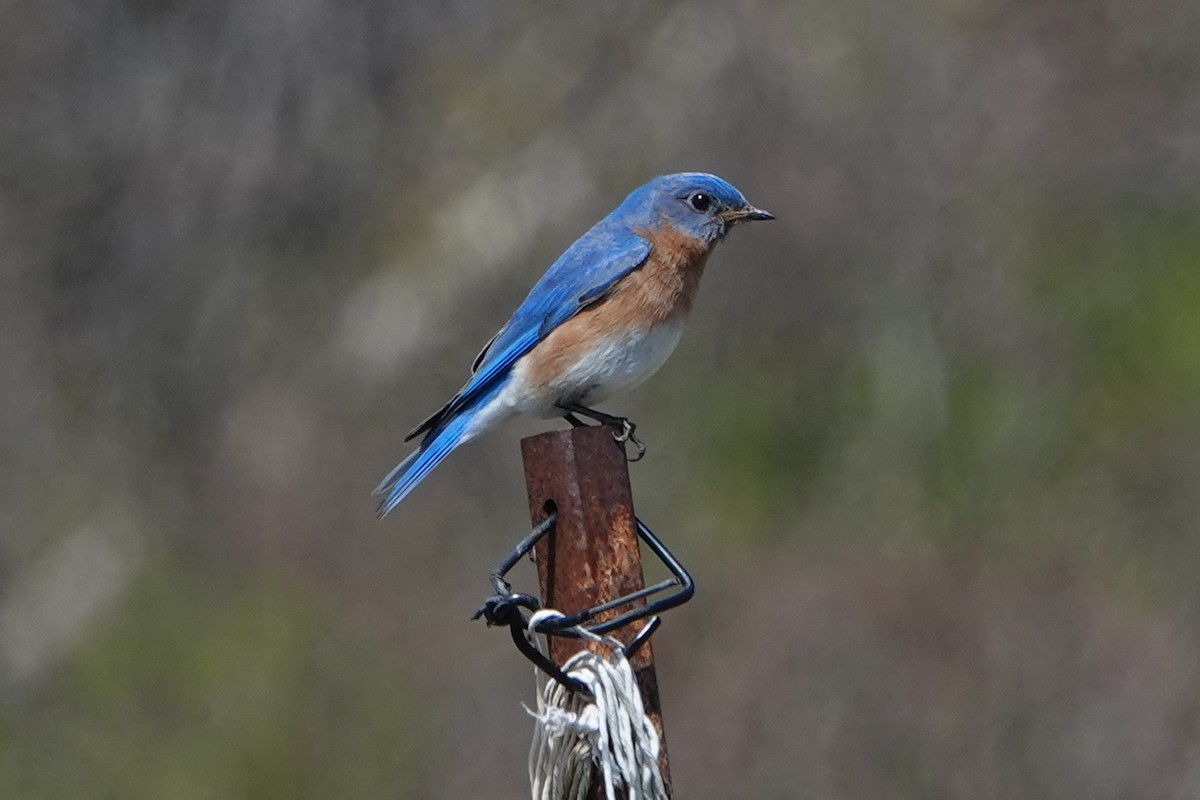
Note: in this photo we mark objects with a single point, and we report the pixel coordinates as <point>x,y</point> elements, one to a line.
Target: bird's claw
<point>626,434</point>
<point>625,428</point>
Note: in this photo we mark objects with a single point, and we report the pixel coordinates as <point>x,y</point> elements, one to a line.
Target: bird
<point>602,319</point>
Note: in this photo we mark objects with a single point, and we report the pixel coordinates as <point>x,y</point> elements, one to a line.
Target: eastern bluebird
<point>603,318</point>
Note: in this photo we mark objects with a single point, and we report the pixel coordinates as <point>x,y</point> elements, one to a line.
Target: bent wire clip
<point>505,606</point>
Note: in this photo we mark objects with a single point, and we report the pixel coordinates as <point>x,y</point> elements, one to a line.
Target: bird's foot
<point>625,434</point>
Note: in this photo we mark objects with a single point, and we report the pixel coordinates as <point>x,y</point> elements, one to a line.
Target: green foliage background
<point>931,444</point>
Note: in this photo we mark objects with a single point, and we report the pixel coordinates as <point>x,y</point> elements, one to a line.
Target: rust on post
<point>593,555</point>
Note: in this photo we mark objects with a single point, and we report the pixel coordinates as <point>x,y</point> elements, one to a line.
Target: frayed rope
<point>575,733</point>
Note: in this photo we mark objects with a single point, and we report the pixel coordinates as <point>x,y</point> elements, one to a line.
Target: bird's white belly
<point>613,364</point>
<point>619,363</point>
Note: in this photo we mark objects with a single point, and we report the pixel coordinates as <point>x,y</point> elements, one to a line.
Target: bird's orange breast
<point>660,291</point>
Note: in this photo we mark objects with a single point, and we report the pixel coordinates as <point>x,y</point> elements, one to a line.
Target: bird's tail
<point>409,472</point>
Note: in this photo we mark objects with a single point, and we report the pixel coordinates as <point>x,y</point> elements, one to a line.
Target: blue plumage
<point>697,206</point>
<point>436,445</point>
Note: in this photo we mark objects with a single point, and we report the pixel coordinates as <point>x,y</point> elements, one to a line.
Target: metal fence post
<point>593,555</point>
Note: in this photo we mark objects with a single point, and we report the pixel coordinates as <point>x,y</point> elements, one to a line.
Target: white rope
<point>574,733</point>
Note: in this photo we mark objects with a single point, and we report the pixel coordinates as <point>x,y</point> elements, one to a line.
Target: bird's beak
<point>736,215</point>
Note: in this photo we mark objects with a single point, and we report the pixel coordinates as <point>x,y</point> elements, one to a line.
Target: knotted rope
<point>575,733</point>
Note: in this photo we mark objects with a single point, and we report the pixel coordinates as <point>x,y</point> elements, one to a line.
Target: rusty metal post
<point>593,555</point>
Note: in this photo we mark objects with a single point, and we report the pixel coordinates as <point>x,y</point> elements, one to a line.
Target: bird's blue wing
<point>581,276</point>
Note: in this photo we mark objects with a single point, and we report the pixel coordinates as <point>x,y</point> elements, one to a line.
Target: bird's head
<point>696,203</point>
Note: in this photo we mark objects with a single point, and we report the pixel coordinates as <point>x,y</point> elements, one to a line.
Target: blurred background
<point>931,445</point>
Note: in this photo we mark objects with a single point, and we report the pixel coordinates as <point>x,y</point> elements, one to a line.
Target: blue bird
<point>603,318</point>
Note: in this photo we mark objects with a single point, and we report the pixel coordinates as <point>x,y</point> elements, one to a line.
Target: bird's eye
<point>700,201</point>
